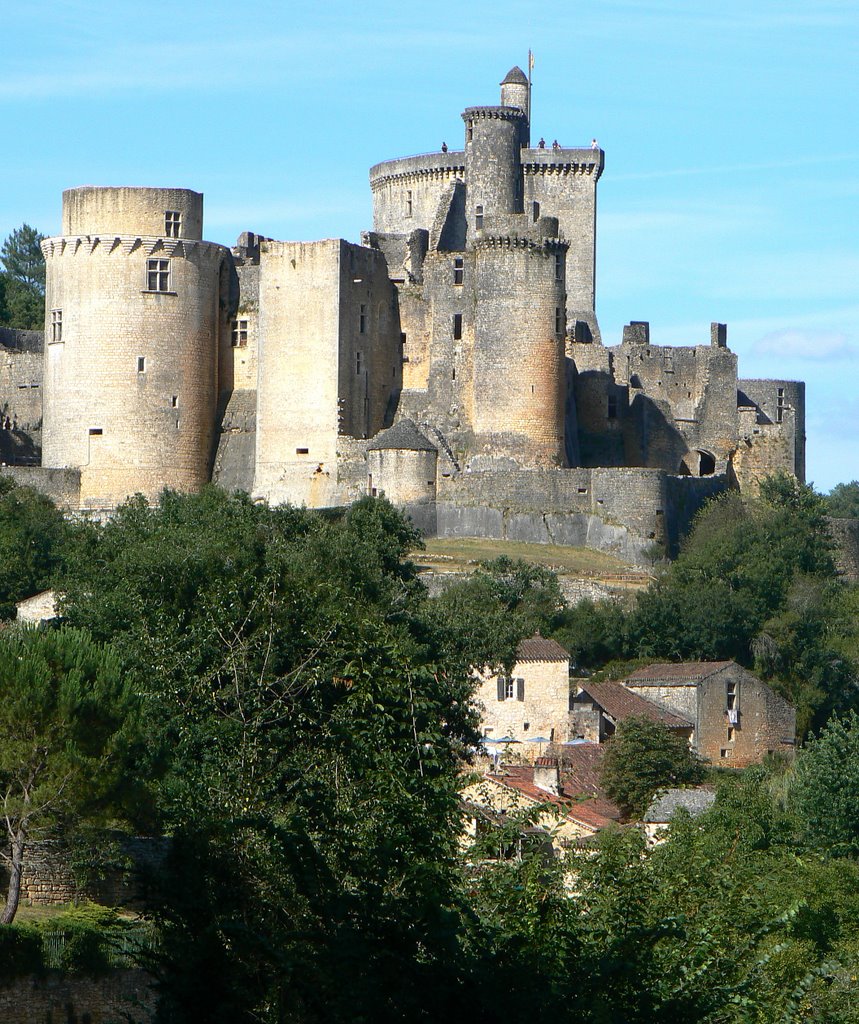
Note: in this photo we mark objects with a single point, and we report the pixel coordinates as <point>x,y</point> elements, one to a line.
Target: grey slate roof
<point>515,76</point>
<point>663,807</point>
<point>403,435</point>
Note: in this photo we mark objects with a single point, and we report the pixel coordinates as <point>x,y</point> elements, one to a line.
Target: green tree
<point>33,539</point>
<point>825,787</point>
<point>66,722</point>
<point>643,757</point>
<point>842,502</point>
<point>23,279</point>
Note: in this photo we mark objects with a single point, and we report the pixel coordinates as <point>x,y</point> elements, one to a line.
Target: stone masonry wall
<point>120,997</point>
<point>544,709</point>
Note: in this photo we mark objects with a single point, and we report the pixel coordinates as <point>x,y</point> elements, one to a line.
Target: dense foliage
<point>642,758</point>
<point>306,714</point>
<point>842,502</point>
<point>22,280</point>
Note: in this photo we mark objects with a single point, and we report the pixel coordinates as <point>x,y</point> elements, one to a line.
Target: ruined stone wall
<point>425,177</point>
<point>20,396</point>
<point>518,360</point>
<point>239,343</point>
<point>772,431</point>
<point>121,995</point>
<point>543,711</point>
<point>62,486</point>
<point>598,423</point>
<point>845,536</point>
<point>235,453</point>
<point>767,723</point>
<point>130,387</point>
<point>370,360</point>
<point>564,183</point>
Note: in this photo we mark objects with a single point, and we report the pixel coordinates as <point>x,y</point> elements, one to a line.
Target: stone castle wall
<point>121,995</point>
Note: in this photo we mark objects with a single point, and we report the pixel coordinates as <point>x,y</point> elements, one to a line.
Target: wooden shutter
<point>502,687</point>
<point>520,689</point>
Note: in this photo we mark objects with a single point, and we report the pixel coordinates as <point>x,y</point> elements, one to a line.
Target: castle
<point>452,360</point>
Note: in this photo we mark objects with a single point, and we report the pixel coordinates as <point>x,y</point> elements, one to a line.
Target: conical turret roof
<point>515,76</point>
<point>403,435</point>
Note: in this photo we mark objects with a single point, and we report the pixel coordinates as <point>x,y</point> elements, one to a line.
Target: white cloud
<point>793,343</point>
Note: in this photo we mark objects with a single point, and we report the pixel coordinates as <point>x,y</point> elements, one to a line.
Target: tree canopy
<point>22,280</point>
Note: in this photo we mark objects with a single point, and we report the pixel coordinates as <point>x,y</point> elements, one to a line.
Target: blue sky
<point>731,131</point>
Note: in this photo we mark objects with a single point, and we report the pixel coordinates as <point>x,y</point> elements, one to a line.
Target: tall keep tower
<point>132,324</point>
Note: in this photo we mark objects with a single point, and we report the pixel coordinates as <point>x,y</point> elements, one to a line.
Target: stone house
<point>737,718</point>
<point>530,701</point>
<point>599,707</point>
<point>666,804</point>
<point>572,807</point>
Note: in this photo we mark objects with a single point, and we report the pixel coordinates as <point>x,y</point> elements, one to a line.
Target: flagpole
<point>530,69</point>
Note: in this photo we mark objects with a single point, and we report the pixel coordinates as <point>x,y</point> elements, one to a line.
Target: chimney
<point>547,775</point>
<point>719,335</point>
<point>636,332</point>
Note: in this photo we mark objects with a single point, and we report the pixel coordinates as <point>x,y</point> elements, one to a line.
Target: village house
<point>737,719</point>
<point>599,707</point>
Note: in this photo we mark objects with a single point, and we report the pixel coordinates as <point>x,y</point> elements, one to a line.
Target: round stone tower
<point>493,165</point>
<point>516,92</point>
<point>132,325</point>
<point>519,382</point>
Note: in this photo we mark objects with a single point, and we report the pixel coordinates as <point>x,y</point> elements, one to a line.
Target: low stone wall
<point>62,486</point>
<point>845,536</point>
<point>121,997</point>
<point>48,878</point>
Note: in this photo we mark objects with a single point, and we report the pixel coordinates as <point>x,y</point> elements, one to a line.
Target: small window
<point>478,218</point>
<point>302,451</point>
<point>731,695</point>
<point>559,267</point>
<point>730,734</point>
<point>172,223</point>
<point>458,270</point>
<point>357,362</point>
<point>469,133</point>
<point>141,364</point>
<point>95,431</point>
<point>239,337</point>
<point>362,319</point>
<point>158,275</point>
<point>780,406</point>
<point>559,320</point>
<point>409,203</point>
<point>535,211</point>
<point>612,407</point>
<point>457,326</point>
<point>56,326</point>
<point>175,402</point>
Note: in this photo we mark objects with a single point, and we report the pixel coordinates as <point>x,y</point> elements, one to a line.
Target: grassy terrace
<point>444,554</point>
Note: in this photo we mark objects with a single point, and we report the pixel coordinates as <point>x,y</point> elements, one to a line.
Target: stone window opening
<point>730,734</point>
<point>408,202</point>
<point>612,407</point>
<point>302,451</point>
<point>458,269</point>
<point>478,217</point>
<point>457,326</point>
<point>141,364</point>
<point>469,131</point>
<point>56,326</point>
<point>95,431</point>
<point>174,402</point>
<point>559,267</point>
<point>559,320</point>
<point>362,319</point>
<point>780,406</point>
<point>535,212</point>
<point>358,364</point>
<point>731,702</point>
<point>172,223</point>
<point>239,337</point>
<point>526,726</point>
<point>158,275</point>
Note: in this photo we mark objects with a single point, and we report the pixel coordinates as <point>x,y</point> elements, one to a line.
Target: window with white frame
<point>172,223</point>
<point>239,338</point>
<point>56,325</point>
<point>158,275</point>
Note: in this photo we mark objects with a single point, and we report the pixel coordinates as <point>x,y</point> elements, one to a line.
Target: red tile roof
<point>620,703</point>
<point>671,674</point>
<point>539,648</point>
<point>581,799</point>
